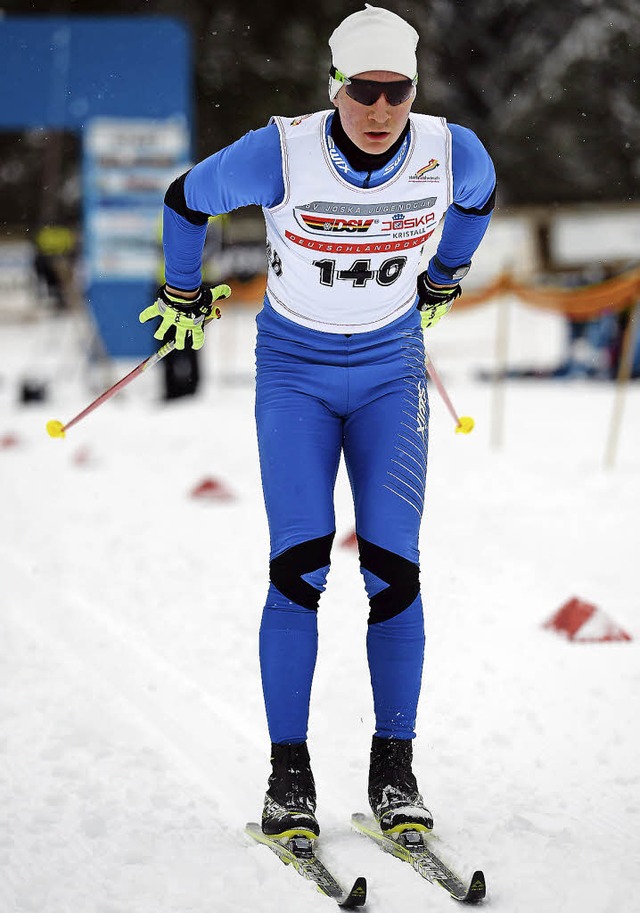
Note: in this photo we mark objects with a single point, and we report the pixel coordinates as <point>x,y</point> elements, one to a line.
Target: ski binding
<point>416,848</point>
<point>299,852</point>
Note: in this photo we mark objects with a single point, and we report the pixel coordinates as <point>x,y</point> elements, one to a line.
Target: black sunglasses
<point>368,91</point>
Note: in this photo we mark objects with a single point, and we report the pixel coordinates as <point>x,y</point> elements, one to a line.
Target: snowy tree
<point>553,90</point>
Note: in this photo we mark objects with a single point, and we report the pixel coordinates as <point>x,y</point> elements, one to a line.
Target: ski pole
<point>464,423</point>
<point>57,429</point>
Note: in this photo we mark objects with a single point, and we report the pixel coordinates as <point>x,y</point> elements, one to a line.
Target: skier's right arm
<point>247,172</point>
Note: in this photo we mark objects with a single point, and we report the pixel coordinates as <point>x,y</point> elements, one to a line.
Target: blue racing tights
<point>319,395</point>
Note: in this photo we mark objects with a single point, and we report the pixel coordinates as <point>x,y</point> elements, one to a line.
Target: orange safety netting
<point>250,291</point>
<point>582,303</point>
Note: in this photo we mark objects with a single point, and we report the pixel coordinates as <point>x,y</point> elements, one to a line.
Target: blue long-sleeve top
<point>249,172</point>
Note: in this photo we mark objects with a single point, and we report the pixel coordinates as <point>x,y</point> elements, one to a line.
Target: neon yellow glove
<point>434,301</point>
<point>183,319</point>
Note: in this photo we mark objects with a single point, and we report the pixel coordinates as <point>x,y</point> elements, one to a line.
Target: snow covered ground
<point>133,745</point>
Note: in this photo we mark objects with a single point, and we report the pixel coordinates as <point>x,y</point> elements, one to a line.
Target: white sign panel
<point>599,236</point>
<point>129,163</point>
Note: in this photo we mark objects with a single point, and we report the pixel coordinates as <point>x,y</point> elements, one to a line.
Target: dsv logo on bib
<point>338,224</point>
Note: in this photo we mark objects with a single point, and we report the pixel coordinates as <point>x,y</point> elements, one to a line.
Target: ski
<point>415,847</point>
<point>299,852</point>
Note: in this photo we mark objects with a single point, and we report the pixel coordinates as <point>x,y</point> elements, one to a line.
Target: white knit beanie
<point>373,39</point>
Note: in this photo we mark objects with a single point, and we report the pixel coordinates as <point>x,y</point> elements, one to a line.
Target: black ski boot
<point>393,792</point>
<point>290,802</point>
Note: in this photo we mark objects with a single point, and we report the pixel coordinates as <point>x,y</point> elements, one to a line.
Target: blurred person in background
<point>349,195</point>
<point>55,250</point>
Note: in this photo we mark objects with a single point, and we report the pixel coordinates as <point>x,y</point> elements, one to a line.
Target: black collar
<point>359,160</point>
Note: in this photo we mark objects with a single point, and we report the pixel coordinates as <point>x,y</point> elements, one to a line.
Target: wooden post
<point>624,373</point>
<point>501,358</point>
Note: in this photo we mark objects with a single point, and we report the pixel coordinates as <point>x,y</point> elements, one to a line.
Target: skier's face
<point>374,127</point>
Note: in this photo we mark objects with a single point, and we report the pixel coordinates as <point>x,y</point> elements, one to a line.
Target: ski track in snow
<point>132,740</point>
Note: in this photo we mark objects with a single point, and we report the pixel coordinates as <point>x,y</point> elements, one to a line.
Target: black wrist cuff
<point>177,294</point>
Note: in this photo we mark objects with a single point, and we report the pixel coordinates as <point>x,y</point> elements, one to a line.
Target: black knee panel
<point>402,575</point>
<point>287,569</point>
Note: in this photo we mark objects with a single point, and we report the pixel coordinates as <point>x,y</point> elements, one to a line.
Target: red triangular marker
<point>212,490</point>
<point>9,440</point>
<point>82,457</point>
<point>586,623</point>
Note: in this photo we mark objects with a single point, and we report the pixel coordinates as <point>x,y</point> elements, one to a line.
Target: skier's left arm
<point>465,223</point>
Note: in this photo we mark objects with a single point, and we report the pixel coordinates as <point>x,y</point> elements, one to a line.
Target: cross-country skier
<point>349,195</point>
